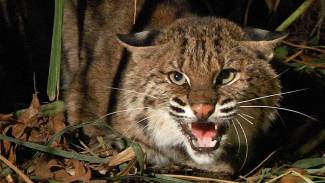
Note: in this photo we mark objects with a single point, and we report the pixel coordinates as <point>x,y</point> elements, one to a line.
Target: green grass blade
<point>295,15</point>
<point>54,70</point>
<point>46,109</point>
<point>55,151</point>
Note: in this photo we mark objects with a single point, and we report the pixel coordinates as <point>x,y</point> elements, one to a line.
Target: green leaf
<point>140,155</point>
<point>281,52</point>
<point>319,171</point>
<point>309,163</point>
<point>55,151</point>
<point>55,60</point>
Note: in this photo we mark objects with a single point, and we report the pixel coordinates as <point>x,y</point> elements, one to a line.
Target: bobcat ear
<point>139,44</point>
<point>263,41</point>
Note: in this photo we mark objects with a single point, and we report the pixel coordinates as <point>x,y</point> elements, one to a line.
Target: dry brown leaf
<point>122,157</point>
<point>74,171</point>
<point>42,168</point>
<point>292,178</point>
<point>57,122</point>
<point>7,117</point>
<point>32,111</point>
<point>68,171</point>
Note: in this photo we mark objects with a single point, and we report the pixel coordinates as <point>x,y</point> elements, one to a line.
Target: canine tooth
<point>195,143</point>
<point>214,142</point>
<point>189,126</point>
<point>216,127</point>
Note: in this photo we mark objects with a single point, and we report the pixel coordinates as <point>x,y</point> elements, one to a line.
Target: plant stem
<point>295,15</point>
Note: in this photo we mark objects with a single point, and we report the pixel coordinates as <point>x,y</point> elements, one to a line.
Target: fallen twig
<point>14,168</point>
<point>303,46</point>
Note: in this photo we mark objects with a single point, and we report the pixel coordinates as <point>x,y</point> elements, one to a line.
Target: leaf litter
<point>33,130</point>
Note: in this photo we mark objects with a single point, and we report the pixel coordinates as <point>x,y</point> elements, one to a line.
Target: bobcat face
<point>194,73</point>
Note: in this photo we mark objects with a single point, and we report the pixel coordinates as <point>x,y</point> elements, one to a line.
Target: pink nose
<point>203,111</point>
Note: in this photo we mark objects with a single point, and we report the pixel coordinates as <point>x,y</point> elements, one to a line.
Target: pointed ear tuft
<point>263,41</point>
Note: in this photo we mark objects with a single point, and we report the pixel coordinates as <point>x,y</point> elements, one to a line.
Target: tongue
<point>204,132</point>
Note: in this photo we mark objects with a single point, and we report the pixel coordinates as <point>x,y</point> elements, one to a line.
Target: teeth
<point>216,127</point>
<point>189,126</point>
<point>195,143</point>
<point>214,142</point>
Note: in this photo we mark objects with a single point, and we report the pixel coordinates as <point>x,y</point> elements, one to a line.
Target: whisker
<point>246,119</point>
<point>132,91</point>
<point>126,110</point>
<point>279,108</point>
<point>238,138</point>
<point>249,116</point>
<point>267,96</point>
<point>281,73</point>
<point>246,142</point>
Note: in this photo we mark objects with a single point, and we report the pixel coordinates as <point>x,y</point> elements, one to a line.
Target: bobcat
<point>187,92</point>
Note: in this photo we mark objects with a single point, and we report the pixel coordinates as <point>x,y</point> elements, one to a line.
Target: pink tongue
<point>204,132</point>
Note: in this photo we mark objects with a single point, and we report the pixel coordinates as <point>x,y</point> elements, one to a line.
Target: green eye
<point>177,78</point>
<point>226,76</point>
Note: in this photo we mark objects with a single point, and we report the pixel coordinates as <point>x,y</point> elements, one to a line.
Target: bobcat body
<point>183,93</point>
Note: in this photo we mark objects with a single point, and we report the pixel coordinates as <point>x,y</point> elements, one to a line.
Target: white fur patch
<point>165,131</point>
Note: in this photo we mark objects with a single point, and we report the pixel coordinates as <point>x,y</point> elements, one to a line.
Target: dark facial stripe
<point>176,116</point>
<point>226,101</point>
<point>227,110</point>
<point>177,109</point>
<point>179,101</point>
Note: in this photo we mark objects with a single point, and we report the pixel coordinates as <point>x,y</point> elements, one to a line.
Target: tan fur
<point>198,47</point>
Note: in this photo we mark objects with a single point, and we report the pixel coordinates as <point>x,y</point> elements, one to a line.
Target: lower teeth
<point>214,142</point>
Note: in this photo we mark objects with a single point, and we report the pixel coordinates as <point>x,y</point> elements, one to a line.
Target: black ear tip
<point>121,37</point>
<point>282,34</point>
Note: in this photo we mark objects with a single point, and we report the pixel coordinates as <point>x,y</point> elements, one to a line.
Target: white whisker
<point>126,110</point>
<point>246,119</point>
<point>267,96</point>
<point>246,142</point>
<point>283,72</point>
<point>238,138</point>
<point>279,108</point>
<point>249,116</point>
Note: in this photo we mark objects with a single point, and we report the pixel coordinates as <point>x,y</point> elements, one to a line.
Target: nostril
<point>203,111</point>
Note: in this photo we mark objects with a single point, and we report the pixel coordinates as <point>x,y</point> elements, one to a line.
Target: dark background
<point>25,40</point>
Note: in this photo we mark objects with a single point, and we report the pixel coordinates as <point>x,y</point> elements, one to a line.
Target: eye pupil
<point>178,76</point>
<point>225,74</point>
<point>225,77</point>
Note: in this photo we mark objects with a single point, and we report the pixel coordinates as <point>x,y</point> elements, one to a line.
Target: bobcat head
<point>190,81</point>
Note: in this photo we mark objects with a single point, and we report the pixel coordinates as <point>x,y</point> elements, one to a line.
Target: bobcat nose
<point>203,111</point>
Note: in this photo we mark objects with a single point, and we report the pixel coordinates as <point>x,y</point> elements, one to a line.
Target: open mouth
<point>203,136</point>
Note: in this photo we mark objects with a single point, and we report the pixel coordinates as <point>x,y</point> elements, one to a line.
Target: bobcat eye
<point>177,78</point>
<point>226,77</point>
